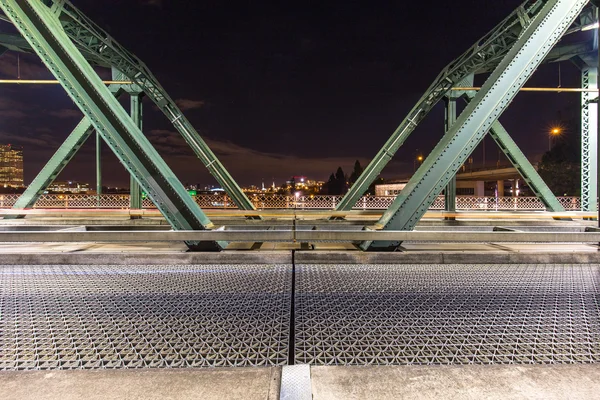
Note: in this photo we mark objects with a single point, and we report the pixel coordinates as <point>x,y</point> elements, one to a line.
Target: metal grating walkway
<point>447,314</point>
<point>67,317</point>
<point>62,317</point>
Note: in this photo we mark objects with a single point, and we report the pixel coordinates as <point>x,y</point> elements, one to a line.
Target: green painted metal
<point>98,168</point>
<point>523,166</point>
<point>60,159</point>
<point>46,36</point>
<point>450,119</point>
<point>478,117</point>
<point>484,54</point>
<point>101,49</point>
<point>589,140</point>
<point>520,162</point>
<point>55,165</point>
<point>135,191</point>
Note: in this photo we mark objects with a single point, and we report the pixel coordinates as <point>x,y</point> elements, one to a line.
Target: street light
<point>419,159</point>
<point>553,132</point>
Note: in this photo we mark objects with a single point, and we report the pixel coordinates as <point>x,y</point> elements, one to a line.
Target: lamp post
<point>419,160</point>
<point>553,132</point>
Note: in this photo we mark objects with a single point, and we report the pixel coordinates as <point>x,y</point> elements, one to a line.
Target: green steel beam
<point>524,167</point>
<point>59,161</point>
<point>101,49</point>
<point>475,121</point>
<point>589,140</point>
<point>520,162</point>
<point>450,119</point>
<point>135,191</point>
<point>55,165</point>
<point>44,33</point>
<point>487,51</point>
<point>98,169</point>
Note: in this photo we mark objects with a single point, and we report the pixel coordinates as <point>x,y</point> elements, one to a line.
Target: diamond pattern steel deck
<point>447,314</point>
<point>67,317</point>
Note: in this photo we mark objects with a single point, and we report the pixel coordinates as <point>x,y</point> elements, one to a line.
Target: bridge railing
<point>262,202</point>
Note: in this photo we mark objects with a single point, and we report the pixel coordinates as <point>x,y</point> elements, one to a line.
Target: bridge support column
<point>135,191</point>
<point>500,186</point>
<point>98,168</point>
<point>450,192</point>
<point>589,140</point>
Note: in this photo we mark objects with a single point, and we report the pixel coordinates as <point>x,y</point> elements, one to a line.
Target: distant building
<point>11,166</point>
<point>69,187</point>
<point>496,181</point>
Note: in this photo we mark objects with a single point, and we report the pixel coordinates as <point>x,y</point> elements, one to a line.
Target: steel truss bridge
<point>71,45</point>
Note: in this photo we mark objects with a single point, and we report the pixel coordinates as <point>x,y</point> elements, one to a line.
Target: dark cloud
<point>23,66</point>
<point>249,165</point>
<point>187,104</point>
<point>65,113</point>
<point>152,3</point>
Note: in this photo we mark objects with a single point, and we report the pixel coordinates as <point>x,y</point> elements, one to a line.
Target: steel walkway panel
<point>144,316</point>
<point>447,314</point>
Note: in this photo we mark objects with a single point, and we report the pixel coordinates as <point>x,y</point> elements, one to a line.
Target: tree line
<point>339,182</point>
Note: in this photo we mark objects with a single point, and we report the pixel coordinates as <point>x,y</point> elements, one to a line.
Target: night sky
<point>297,88</point>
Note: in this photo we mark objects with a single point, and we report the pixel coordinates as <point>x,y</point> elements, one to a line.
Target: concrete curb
<point>238,257</point>
<point>300,257</point>
<point>334,257</point>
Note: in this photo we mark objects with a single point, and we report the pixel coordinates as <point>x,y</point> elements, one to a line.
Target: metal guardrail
<point>289,235</point>
<point>264,202</point>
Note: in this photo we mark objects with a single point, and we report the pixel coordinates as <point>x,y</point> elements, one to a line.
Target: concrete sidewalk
<point>457,382</point>
<point>328,383</point>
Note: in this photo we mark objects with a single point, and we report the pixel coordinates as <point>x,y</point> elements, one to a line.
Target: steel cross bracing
<point>482,56</point>
<point>524,168</point>
<point>43,32</point>
<point>71,146</point>
<point>101,49</point>
<point>478,117</point>
<point>514,154</point>
<point>62,157</point>
<point>589,140</point>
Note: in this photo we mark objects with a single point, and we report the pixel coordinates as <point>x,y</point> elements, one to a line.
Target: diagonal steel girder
<point>101,49</point>
<point>477,118</point>
<point>44,33</point>
<point>59,160</point>
<point>519,161</point>
<point>487,51</point>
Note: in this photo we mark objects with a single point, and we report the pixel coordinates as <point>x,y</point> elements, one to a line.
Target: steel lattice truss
<point>101,49</point>
<point>589,141</point>
<point>483,56</point>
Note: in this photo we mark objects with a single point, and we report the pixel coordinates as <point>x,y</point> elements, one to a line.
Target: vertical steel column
<point>450,192</point>
<point>589,140</point>
<point>98,168</point>
<point>135,191</point>
<point>596,4</point>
